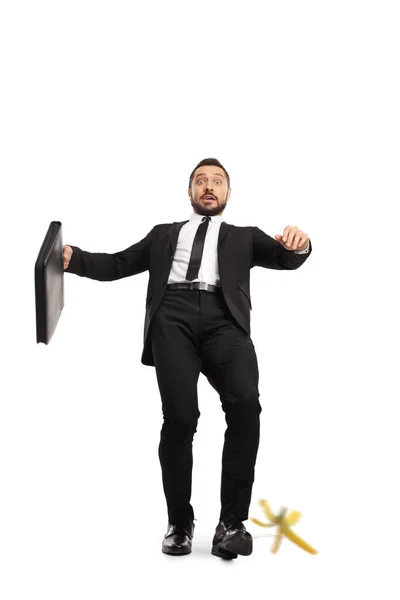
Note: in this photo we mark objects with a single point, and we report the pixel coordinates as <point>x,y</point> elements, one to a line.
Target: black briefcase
<point>49,283</point>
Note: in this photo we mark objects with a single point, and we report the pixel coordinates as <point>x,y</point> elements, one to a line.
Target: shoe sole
<point>218,551</point>
<point>233,546</point>
<point>176,552</point>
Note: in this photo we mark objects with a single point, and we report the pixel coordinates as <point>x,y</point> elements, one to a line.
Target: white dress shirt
<point>208,271</point>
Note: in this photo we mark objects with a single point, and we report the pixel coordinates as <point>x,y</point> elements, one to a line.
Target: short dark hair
<point>209,161</point>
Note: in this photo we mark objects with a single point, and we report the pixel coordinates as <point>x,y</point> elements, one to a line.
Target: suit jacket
<point>239,250</point>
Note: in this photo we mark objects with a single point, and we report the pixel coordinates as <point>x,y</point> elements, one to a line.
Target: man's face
<point>209,180</point>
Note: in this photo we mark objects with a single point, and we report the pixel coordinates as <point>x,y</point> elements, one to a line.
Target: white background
<point>106,107</point>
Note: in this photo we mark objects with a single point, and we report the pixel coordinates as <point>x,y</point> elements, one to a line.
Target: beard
<point>210,210</point>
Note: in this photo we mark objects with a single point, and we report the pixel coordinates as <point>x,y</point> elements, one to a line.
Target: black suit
<point>186,333</point>
<point>239,250</point>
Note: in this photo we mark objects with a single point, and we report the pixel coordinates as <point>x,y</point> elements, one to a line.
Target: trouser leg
<point>177,367</point>
<point>230,364</point>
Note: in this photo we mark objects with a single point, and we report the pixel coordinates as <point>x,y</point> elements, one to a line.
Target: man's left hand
<point>293,238</point>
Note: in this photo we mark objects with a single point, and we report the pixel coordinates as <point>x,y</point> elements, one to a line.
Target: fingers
<point>288,234</point>
<point>286,231</point>
<point>296,239</point>
<point>67,253</point>
<point>293,237</point>
<point>303,241</point>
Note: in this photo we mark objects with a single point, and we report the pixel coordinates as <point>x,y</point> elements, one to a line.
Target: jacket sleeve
<point>269,253</point>
<point>109,267</point>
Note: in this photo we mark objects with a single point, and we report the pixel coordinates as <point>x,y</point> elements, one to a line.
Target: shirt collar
<point>196,217</point>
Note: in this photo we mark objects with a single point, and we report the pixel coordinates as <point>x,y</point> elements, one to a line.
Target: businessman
<point>198,320</point>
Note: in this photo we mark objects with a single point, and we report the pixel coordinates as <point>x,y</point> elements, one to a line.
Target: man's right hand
<point>67,255</point>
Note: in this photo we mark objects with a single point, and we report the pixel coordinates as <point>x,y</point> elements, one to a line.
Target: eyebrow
<point>219,174</point>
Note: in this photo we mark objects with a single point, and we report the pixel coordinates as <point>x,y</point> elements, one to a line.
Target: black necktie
<point>197,250</point>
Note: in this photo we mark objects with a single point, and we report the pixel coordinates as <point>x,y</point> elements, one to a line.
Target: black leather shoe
<point>178,539</point>
<point>231,539</point>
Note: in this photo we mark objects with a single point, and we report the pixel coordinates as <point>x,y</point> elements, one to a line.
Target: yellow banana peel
<point>297,539</point>
<point>257,522</point>
<point>277,543</point>
<point>283,521</point>
<point>293,517</point>
<point>266,508</point>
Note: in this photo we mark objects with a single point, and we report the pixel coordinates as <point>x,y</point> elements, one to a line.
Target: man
<point>198,320</point>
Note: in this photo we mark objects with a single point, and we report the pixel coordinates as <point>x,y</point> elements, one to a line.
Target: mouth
<point>209,197</point>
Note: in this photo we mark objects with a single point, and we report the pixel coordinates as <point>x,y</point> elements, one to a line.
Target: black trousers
<point>193,332</point>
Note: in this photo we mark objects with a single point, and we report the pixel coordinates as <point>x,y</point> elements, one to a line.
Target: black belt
<point>194,285</point>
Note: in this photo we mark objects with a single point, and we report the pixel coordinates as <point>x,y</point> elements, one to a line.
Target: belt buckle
<point>203,286</point>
